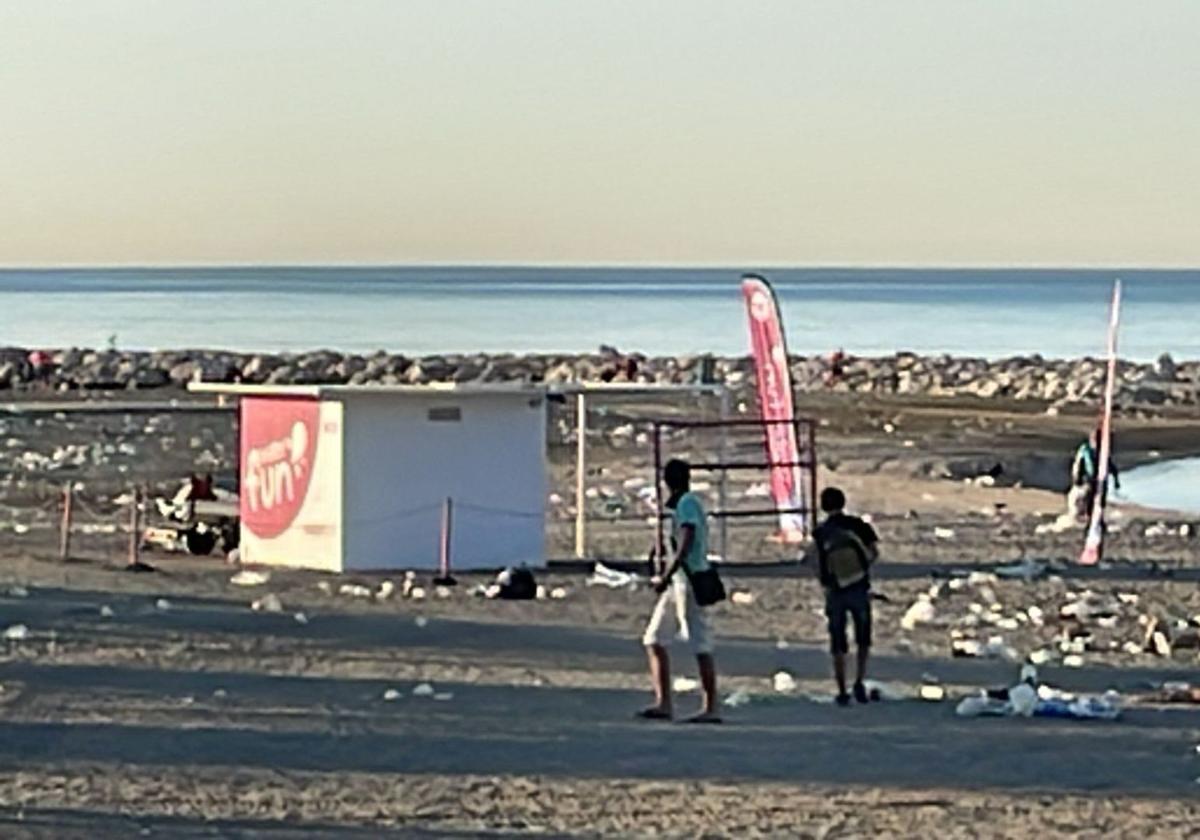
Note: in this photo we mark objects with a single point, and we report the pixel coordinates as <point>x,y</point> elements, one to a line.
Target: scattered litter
<point>740,697</point>
<point>1132,648</point>
<point>443,592</point>
<point>269,603</point>
<point>423,690</point>
<point>880,691</point>
<point>921,612</point>
<point>391,695</point>
<point>1041,656</point>
<point>300,618</point>
<point>354,590</point>
<point>558,593</point>
<point>385,590</point>
<point>16,633</point>
<point>106,611</point>
<point>325,586</point>
<point>541,593</point>
<point>1065,522</point>
<point>1028,698</point>
<point>18,592</point>
<point>162,604</point>
<point>418,593</point>
<point>604,576</point>
<point>249,577</point>
<point>1177,692</point>
<point>1073,660</point>
<point>1162,645</point>
<point>685,684</point>
<point>932,693</point>
<point>943,533</point>
<point>742,598</point>
<point>781,644</point>
<point>994,648</point>
<point>783,682</point>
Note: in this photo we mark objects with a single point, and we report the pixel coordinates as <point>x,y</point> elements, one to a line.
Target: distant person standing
<point>1085,476</point>
<point>845,547</point>
<point>678,610</point>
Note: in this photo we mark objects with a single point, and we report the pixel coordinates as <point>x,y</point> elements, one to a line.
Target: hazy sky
<point>940,132</point>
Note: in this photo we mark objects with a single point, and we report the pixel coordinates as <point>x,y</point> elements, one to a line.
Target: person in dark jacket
<point>845,547</point>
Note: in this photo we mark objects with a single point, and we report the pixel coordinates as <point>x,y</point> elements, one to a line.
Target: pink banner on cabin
<point>278,450</point>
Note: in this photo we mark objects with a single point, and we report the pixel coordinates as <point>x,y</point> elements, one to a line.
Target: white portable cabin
<point>355,478</point>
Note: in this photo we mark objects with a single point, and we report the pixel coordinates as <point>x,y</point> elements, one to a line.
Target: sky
<point>924,132</point>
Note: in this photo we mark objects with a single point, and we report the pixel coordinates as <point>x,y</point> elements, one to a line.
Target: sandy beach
<point>161,703</point>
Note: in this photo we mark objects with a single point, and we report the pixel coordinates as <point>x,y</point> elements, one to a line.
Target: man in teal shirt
<point>677,611</point>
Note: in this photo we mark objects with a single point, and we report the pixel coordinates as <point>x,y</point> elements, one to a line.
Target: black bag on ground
<point>517,584</point>
<point>706,586</point>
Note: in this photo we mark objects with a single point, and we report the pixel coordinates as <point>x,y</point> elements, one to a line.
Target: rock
<point>1165,368</point>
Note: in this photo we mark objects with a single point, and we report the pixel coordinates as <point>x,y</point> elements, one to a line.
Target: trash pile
<point>1030,698</point>
<point>1053,623</point>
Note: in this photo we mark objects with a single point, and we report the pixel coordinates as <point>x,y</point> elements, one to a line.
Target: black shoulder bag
<point>706,586</point>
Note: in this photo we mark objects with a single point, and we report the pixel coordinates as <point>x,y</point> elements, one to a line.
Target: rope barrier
<point>494,511</point>
<point>395,515</point>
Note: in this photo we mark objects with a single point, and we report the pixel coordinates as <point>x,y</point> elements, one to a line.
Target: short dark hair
<point>832,500</point>
<point>677,474</point>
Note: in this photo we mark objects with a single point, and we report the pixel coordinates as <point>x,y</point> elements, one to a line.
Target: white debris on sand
<point>943,533</point>
<point>685,684</point>
<point>162,605</point>
<point>558,593</point>
<point>742,598</point>
<point>354,590</point>
<point>385,590</point>
<point>300,618</point>
<point>783,682</point>
<point>740,697</point>
<point>268,603</point>
<point>604,576</point>
<point>920,612</point>
<point>18,591</point>
<point>16,633</point>
<point>391,695</point>
<point>249,577</point>
<point>423,690</point>
<point>106,611</point>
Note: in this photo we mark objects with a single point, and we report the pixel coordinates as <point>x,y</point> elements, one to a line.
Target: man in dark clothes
<point>845,547</point>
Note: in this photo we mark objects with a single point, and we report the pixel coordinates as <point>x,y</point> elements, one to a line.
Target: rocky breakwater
<point>1056,382</point>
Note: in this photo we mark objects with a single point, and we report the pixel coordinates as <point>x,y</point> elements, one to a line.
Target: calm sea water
<point>422,310</point>
<point>1171,485</point>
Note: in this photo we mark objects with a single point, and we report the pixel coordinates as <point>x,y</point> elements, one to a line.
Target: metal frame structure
<point>581,391</point>
<point>805,432</point>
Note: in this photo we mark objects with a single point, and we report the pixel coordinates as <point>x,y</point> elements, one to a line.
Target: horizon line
<point>740,267</point>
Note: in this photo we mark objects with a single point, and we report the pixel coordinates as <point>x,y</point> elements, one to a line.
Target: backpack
<point>843,556</point>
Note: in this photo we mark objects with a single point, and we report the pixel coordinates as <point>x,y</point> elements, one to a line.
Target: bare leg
<point>708,681</point>
<point>839,671</point>
<point>660,676</point>
<point>861,673</point>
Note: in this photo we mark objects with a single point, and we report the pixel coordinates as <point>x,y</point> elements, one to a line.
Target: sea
<point>420,310</point>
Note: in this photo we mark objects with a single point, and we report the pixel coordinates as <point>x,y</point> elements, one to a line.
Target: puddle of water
<point>1170,485</point>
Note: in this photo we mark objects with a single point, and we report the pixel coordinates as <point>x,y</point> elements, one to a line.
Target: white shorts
<point>678,615</point>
